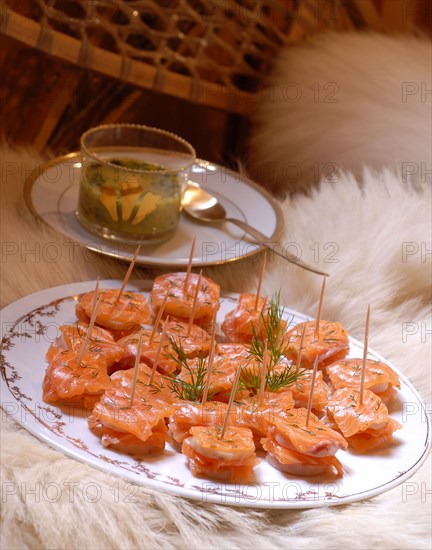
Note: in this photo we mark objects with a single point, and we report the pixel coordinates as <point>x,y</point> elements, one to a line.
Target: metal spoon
<point>203,206</point>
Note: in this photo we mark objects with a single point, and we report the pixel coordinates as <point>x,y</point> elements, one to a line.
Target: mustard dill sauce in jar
<point>132,182</point>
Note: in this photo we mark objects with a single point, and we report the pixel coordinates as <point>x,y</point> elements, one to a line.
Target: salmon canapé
<point>137,427</point>
<point>298,449</point>
<point>365,425</point>
<point>301,390</point>
<point>79,383</point>
<point>158,389</point>
<point>166,364</point>
<point>315,439</point>
<point>233,350</point>
<point>240,323</point>
<point>379,377</point>
<point>180,298</point>
<point>193,343</point>
<point>231,458</point>
<point>330,344</point>
<point>187,415</point>
<point>259,416</point>
<point>101,344</point>
<point>221,378</point>
<point>120,316</point>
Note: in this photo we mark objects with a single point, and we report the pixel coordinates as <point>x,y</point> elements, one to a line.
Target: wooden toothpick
<point>263,375</point>
<point>231,400</point>
<point>300,351</point>
<point>137,360</point>
<point>365,352</point>
<point>96,302</point>
<point>159,351</point>
<point>260,280</point>
<point>96,291</point>
<point>194,304</point>
<point>211,358</point>
<point>128,274</point>
<point>261,316</point>
<point>309,407</point>
<point>209,371</point>
<point>159,316</point>
<point>189,267</point>
<point>318,319</point>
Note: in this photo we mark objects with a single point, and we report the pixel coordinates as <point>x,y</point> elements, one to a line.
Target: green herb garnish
<point>194,389</point>
<point>272,329</point>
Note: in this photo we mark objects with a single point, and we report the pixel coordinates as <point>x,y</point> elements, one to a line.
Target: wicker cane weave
<point>214,52</point>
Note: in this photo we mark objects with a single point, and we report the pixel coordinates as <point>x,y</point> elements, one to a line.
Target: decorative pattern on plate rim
<point>235,494</point>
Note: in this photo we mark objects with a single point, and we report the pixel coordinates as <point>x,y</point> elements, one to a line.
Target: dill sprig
<point>178,354</point>
<point>194,388</point>
<point>275,379</point>
<point>272,329</point>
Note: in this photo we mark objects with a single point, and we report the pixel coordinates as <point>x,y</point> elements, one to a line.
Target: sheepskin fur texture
<point>343,102</point>
<point>370,262</point>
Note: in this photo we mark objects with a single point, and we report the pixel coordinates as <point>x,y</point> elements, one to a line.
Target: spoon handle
<point>261,239</point>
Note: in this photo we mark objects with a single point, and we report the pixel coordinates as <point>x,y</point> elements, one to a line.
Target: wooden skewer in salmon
<point>166,364</point>
<point>120,312</point>
<point>187,414</point>
<point>326,340</point>
<point>158,387</point>
<point>194,342</point>
<point>221,452</point>
<point>379,377</point>
<point>128,274</point>
<point>259,414</point>
<point>298,441</point>
<point>181,289</point>
<point>136,425</point>
<point>189,267</point>
<point>364,373</point>
<point>79,383</point>
<point>138,428</point>
<point>303,450</point>
<point>240,323</point>
<point>179,303</point>
<point>102,344</point>
<point>77,376</point>
<point>300,390</point>
<point>332,344</point>
<point>221,378</point>
<point>258,410</point>
<point>206,413</point>
<point>120,317</point>
<point>229,459</point>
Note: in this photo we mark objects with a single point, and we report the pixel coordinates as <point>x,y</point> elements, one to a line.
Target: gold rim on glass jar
<point>132,181</point>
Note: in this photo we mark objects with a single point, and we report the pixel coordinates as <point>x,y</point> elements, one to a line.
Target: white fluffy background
<point>341,101</point>
<point>369,226</point>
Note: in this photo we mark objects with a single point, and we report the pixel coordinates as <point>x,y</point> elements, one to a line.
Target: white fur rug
<point>340,102</point>
<point>369,227</point>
